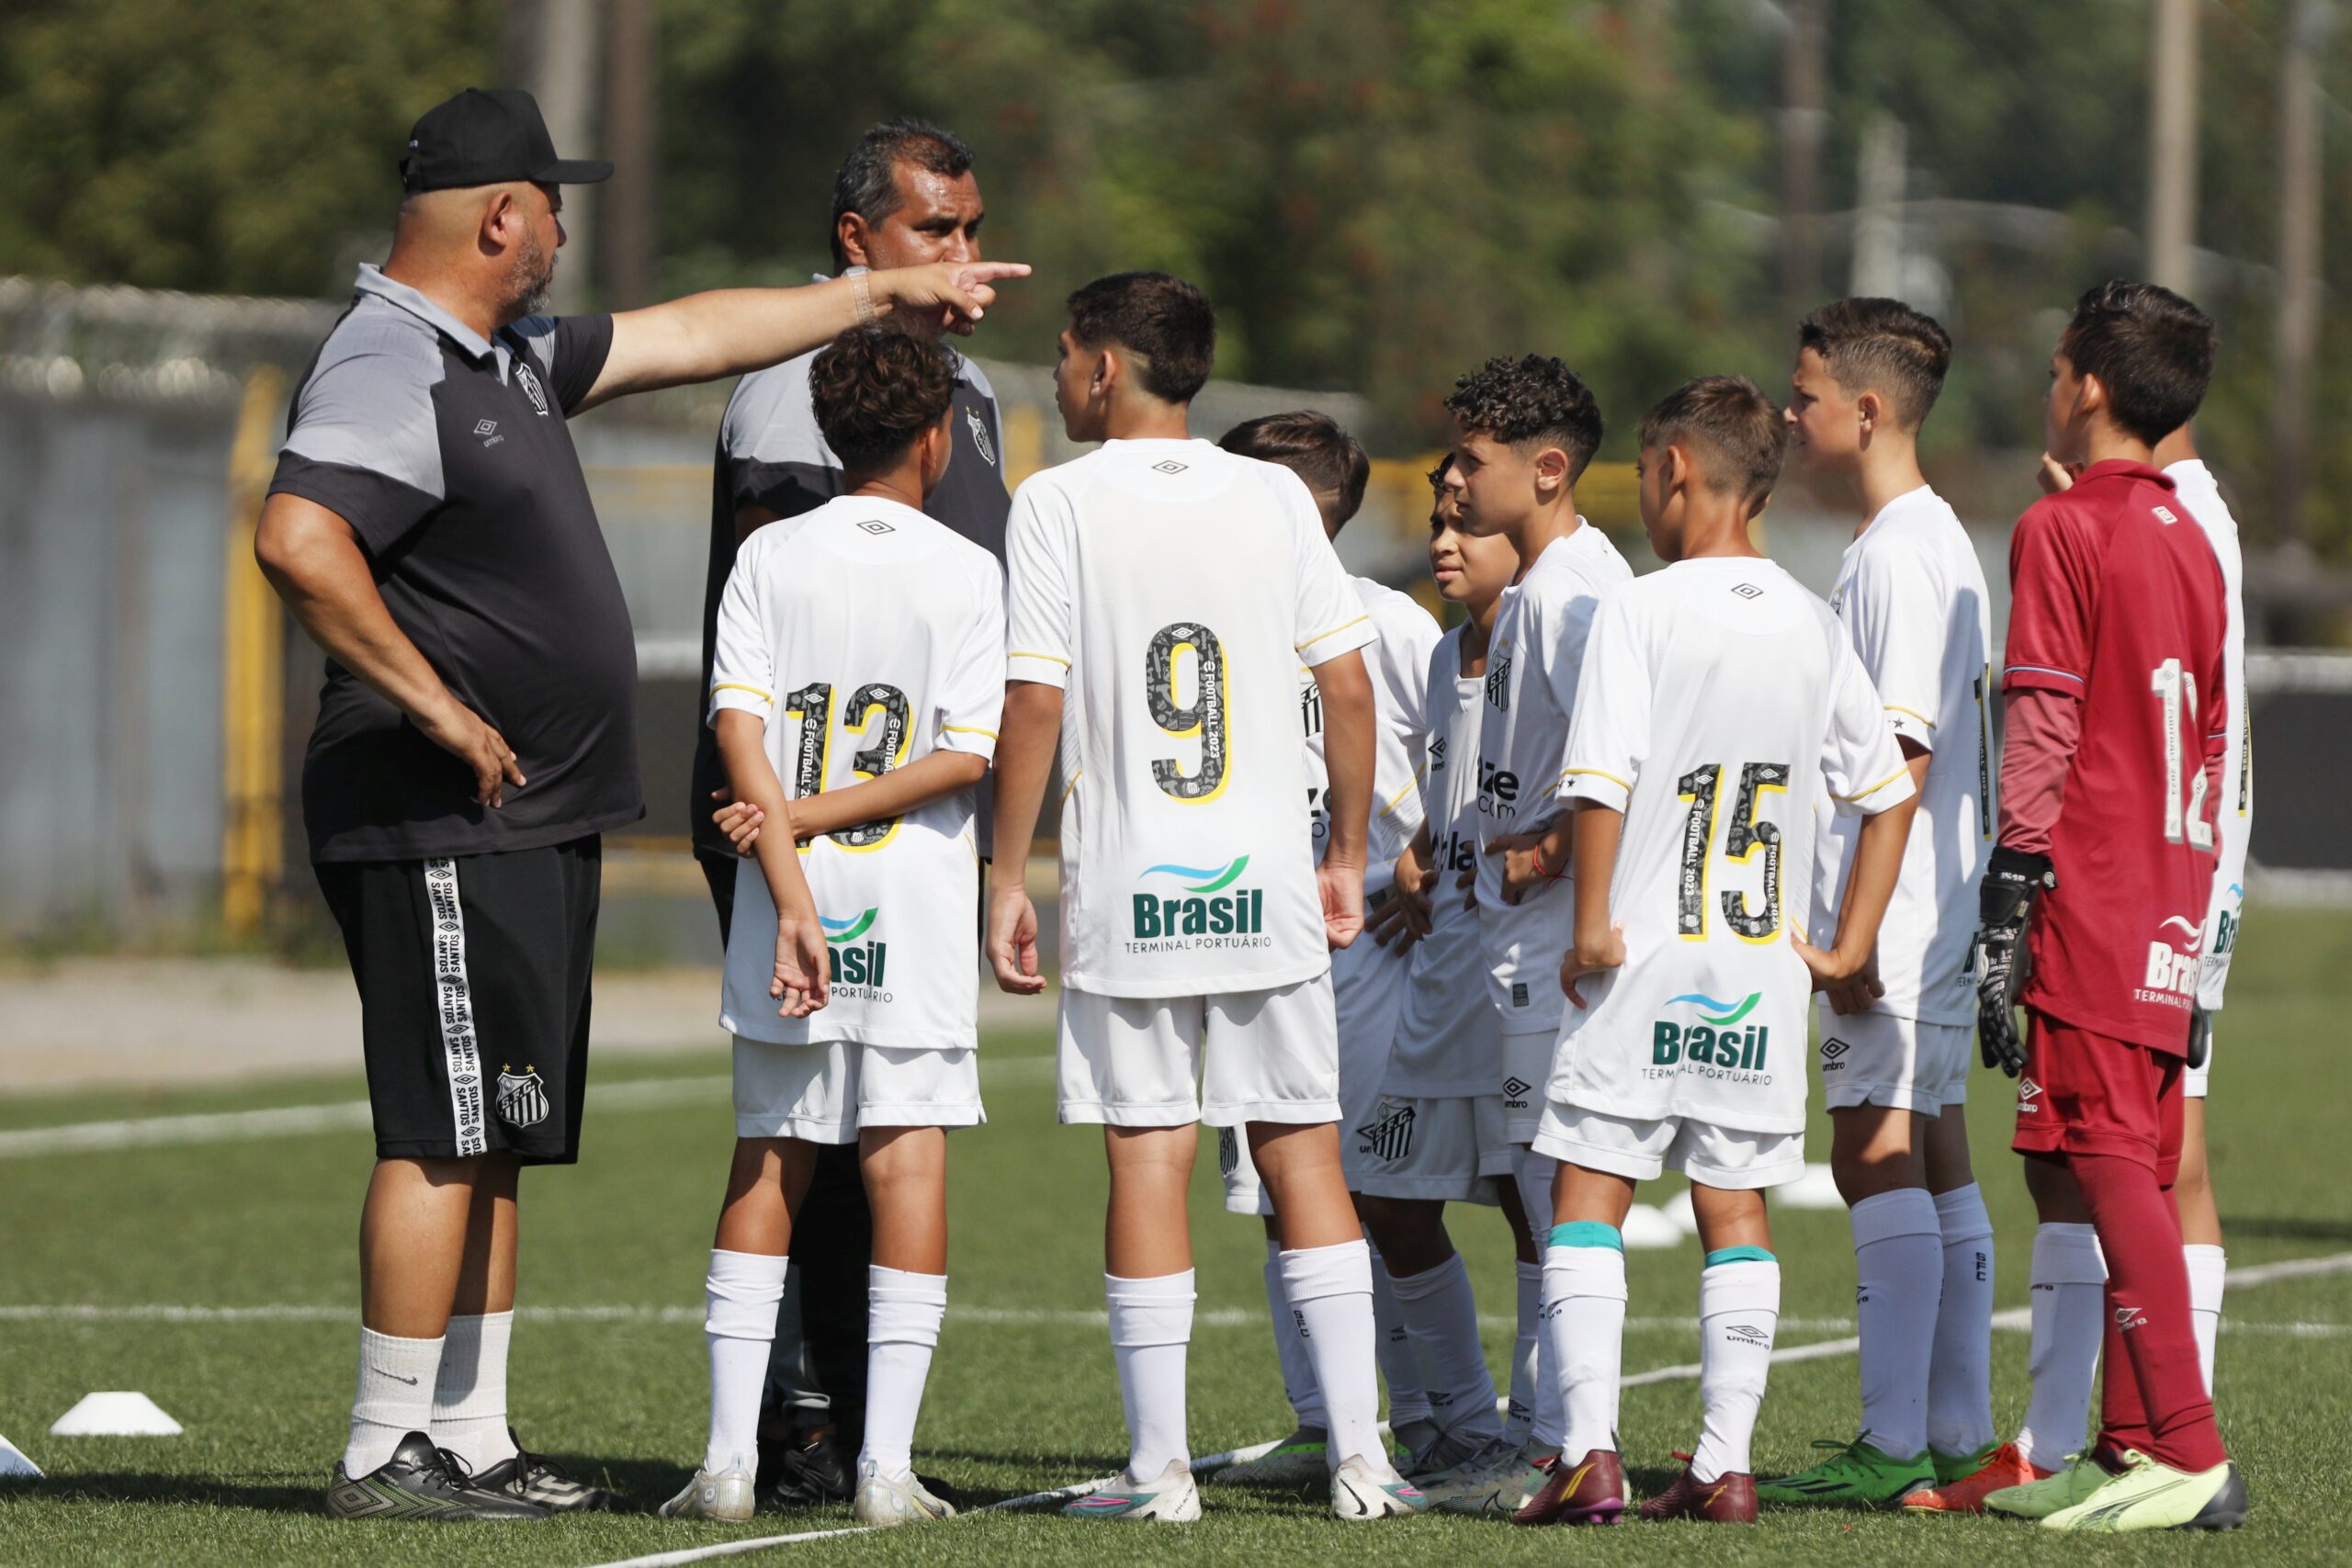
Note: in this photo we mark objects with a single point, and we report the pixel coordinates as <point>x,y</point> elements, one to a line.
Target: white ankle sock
<point>1584,1331</point>
<point>738,1326</point>
<point>1521,1426</point>
<point>1330,1290</point>
<point>902,1314</point>
<point>1298,1371</point>
<point>2069,1321</point>
<point>1899,1265</point>
<point>1960,1378</point>
<point>1739,1312</point>
<point>1409,1396</point>
<point>1442,1313</point>
<point>394,1398</point>
<point>2208,1267</point>
<point>1151,1326</point>
<point>470,1394</point>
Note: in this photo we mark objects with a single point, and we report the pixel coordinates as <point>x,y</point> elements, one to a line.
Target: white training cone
<point>117,1414</point>
<point>1647,1228</point>
<point>13,1462</point>
<point>1816,1189</point>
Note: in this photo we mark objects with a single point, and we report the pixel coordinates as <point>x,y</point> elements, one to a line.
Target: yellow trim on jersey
<point>1866,793</point>
<point>966,729</point>
<point>1923,718</point>
<point>1400,795</point>
<point>1073,783</point>
<point>1335,631</point>
<point>1604,773</point>
<point>1023,653</point>
<point>736,687</point>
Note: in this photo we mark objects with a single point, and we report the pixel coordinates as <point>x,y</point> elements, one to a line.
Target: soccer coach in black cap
<point>430,526</point>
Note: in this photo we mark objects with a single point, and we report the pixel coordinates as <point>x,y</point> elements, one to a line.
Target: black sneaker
<point>421,1481</point>
<point>535,1478</point>
<point>804,1471</point>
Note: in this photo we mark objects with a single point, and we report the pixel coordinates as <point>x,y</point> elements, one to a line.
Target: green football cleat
<point>1298,1459</point>
<point>1854,1475</point>
<point>2039,1499</point>
<point>1950,1468</point>
<point>2152,1496</point>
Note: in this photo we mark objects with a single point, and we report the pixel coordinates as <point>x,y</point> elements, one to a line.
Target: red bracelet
<point>1536,854</point>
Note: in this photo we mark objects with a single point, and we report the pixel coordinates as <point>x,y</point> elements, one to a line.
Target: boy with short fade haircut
<point>856,697</point>
<point>1163,594</point>
<point>1894,1046</point>
<point>1367,979</point>
<point>2117,736</point>
<point>1717,696</point>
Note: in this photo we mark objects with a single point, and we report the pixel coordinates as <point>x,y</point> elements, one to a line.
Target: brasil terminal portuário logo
<point>855,962</point>
<point>1209,904</point>
<point>1716,1041</point>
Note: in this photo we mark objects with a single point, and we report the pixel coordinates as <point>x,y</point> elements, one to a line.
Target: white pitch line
<point>301,1121</point>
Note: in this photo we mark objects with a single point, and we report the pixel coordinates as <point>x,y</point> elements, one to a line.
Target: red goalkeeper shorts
<point>2083,1092</point>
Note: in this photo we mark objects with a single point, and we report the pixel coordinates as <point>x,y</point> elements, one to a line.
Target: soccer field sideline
<point>2012,1318</point>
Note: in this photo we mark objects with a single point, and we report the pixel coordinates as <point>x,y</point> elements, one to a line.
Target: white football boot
<point>1172,1498</point>
<point>716,1495</point>
<point>895,1499</point>
<point>1360,1492</point>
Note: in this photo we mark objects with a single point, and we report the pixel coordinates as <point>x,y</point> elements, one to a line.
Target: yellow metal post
<point>252,675</point>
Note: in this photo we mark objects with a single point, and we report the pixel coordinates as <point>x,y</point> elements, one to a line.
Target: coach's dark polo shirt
<point>771,454</point>
<point>447,453</point>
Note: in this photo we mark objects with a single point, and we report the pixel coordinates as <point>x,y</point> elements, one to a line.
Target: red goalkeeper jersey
<point>2118,601</point>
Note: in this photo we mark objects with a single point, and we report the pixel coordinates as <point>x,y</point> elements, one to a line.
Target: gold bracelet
<point>862,293</point>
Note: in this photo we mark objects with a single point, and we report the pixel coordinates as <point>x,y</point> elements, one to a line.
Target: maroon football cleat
<point>1729,1499</point>
<point>1590,1492</point>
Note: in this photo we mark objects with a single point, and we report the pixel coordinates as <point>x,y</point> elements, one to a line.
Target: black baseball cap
<point>484,137</point>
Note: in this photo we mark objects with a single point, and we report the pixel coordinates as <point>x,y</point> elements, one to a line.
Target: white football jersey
<point>1718,697</point>
<point>1398,663</point>
<point>1911,594</point>
<point>868,635</point>
<point>2195,484</point>
<point>1530,687</point>
<point>1450,1042</point>
<point>1174,590</point>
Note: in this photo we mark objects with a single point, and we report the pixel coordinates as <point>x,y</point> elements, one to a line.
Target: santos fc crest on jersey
<point>522,1097</point>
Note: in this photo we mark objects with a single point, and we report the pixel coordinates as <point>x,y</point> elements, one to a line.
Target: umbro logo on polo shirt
<point>878,527</point>
<point>1169,466</point>
<point>1749,591</point>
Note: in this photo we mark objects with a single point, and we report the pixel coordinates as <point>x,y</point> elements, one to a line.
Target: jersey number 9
<point>1203,718</point>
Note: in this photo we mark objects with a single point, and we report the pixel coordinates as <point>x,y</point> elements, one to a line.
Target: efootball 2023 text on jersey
<point>1172,589</point>
<point>867,635</point>
<point>1532,662</point>
<point>1717,697</point>
<point>1911,595</point>
<point>2116,601</point>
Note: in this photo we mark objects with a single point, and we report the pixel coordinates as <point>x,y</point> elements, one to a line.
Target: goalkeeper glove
<point>2201,1037</point>
<point>2013,880</point>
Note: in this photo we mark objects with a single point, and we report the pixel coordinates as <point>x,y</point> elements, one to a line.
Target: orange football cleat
<point>2005,1466</point>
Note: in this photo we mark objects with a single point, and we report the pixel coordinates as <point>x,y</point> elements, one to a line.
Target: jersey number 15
<point>1743,839</point>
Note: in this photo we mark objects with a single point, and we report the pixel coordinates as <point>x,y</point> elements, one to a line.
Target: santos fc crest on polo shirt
<point>522,1097</point>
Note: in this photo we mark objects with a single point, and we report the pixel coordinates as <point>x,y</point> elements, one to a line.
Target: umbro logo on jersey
<point>1749,591</point>
<point>2028,1096</point>
<point>980,437</point>
<point>1389,1136</point>
<point>2165,515</point>
<point>2128,1318</point>
<point>485,427</point>
<point>1437,753</point>
<point>878,527</point>
<point>1169,466</point>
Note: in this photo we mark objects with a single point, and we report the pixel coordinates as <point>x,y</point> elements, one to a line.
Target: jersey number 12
<point>2175,690</point>
<point>812,708</point>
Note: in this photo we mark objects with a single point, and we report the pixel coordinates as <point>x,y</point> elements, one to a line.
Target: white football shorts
<point>1724,1158</point>
<point>1257,1055</point>
<point>1876,1058</point>
<point>823,1092</point>
<point>1368,985</point>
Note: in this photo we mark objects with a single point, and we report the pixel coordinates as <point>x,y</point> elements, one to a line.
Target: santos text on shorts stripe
<point>454,1002</point>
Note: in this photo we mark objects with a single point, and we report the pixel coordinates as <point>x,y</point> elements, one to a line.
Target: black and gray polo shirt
<point>449,455</point>
<point>771,454</point>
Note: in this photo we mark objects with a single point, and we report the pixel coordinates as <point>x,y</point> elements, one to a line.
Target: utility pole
<point>1878,217</point>
<point>632,139</point>
<point>2171,144</point>
<point>2298,290</point>
<point>551,47</point>
<point>1803,120</point>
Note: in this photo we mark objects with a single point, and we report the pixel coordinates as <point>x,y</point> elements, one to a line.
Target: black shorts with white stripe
<point>473,977</point>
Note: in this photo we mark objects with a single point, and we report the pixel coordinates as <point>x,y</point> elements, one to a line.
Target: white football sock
<point>1898,1266</point>
<point>2207,1266</point>
<point>394,1398</point>
<point>1739,1312</point>
<point>1298,1371</point>
<point>1330,1290</point>
<point>1442,1313</point>
<point>2069,1321</point>
<point>1533,1173</point>
<point>1960,1378</point>
<point>902,1314</point>
<point>1521,1427</point>
<point>1151,1329</point>
<point>1584,1331</point>
<point>738,1326</point>
<point>470,1394</point>
<point>1408,1399</point>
